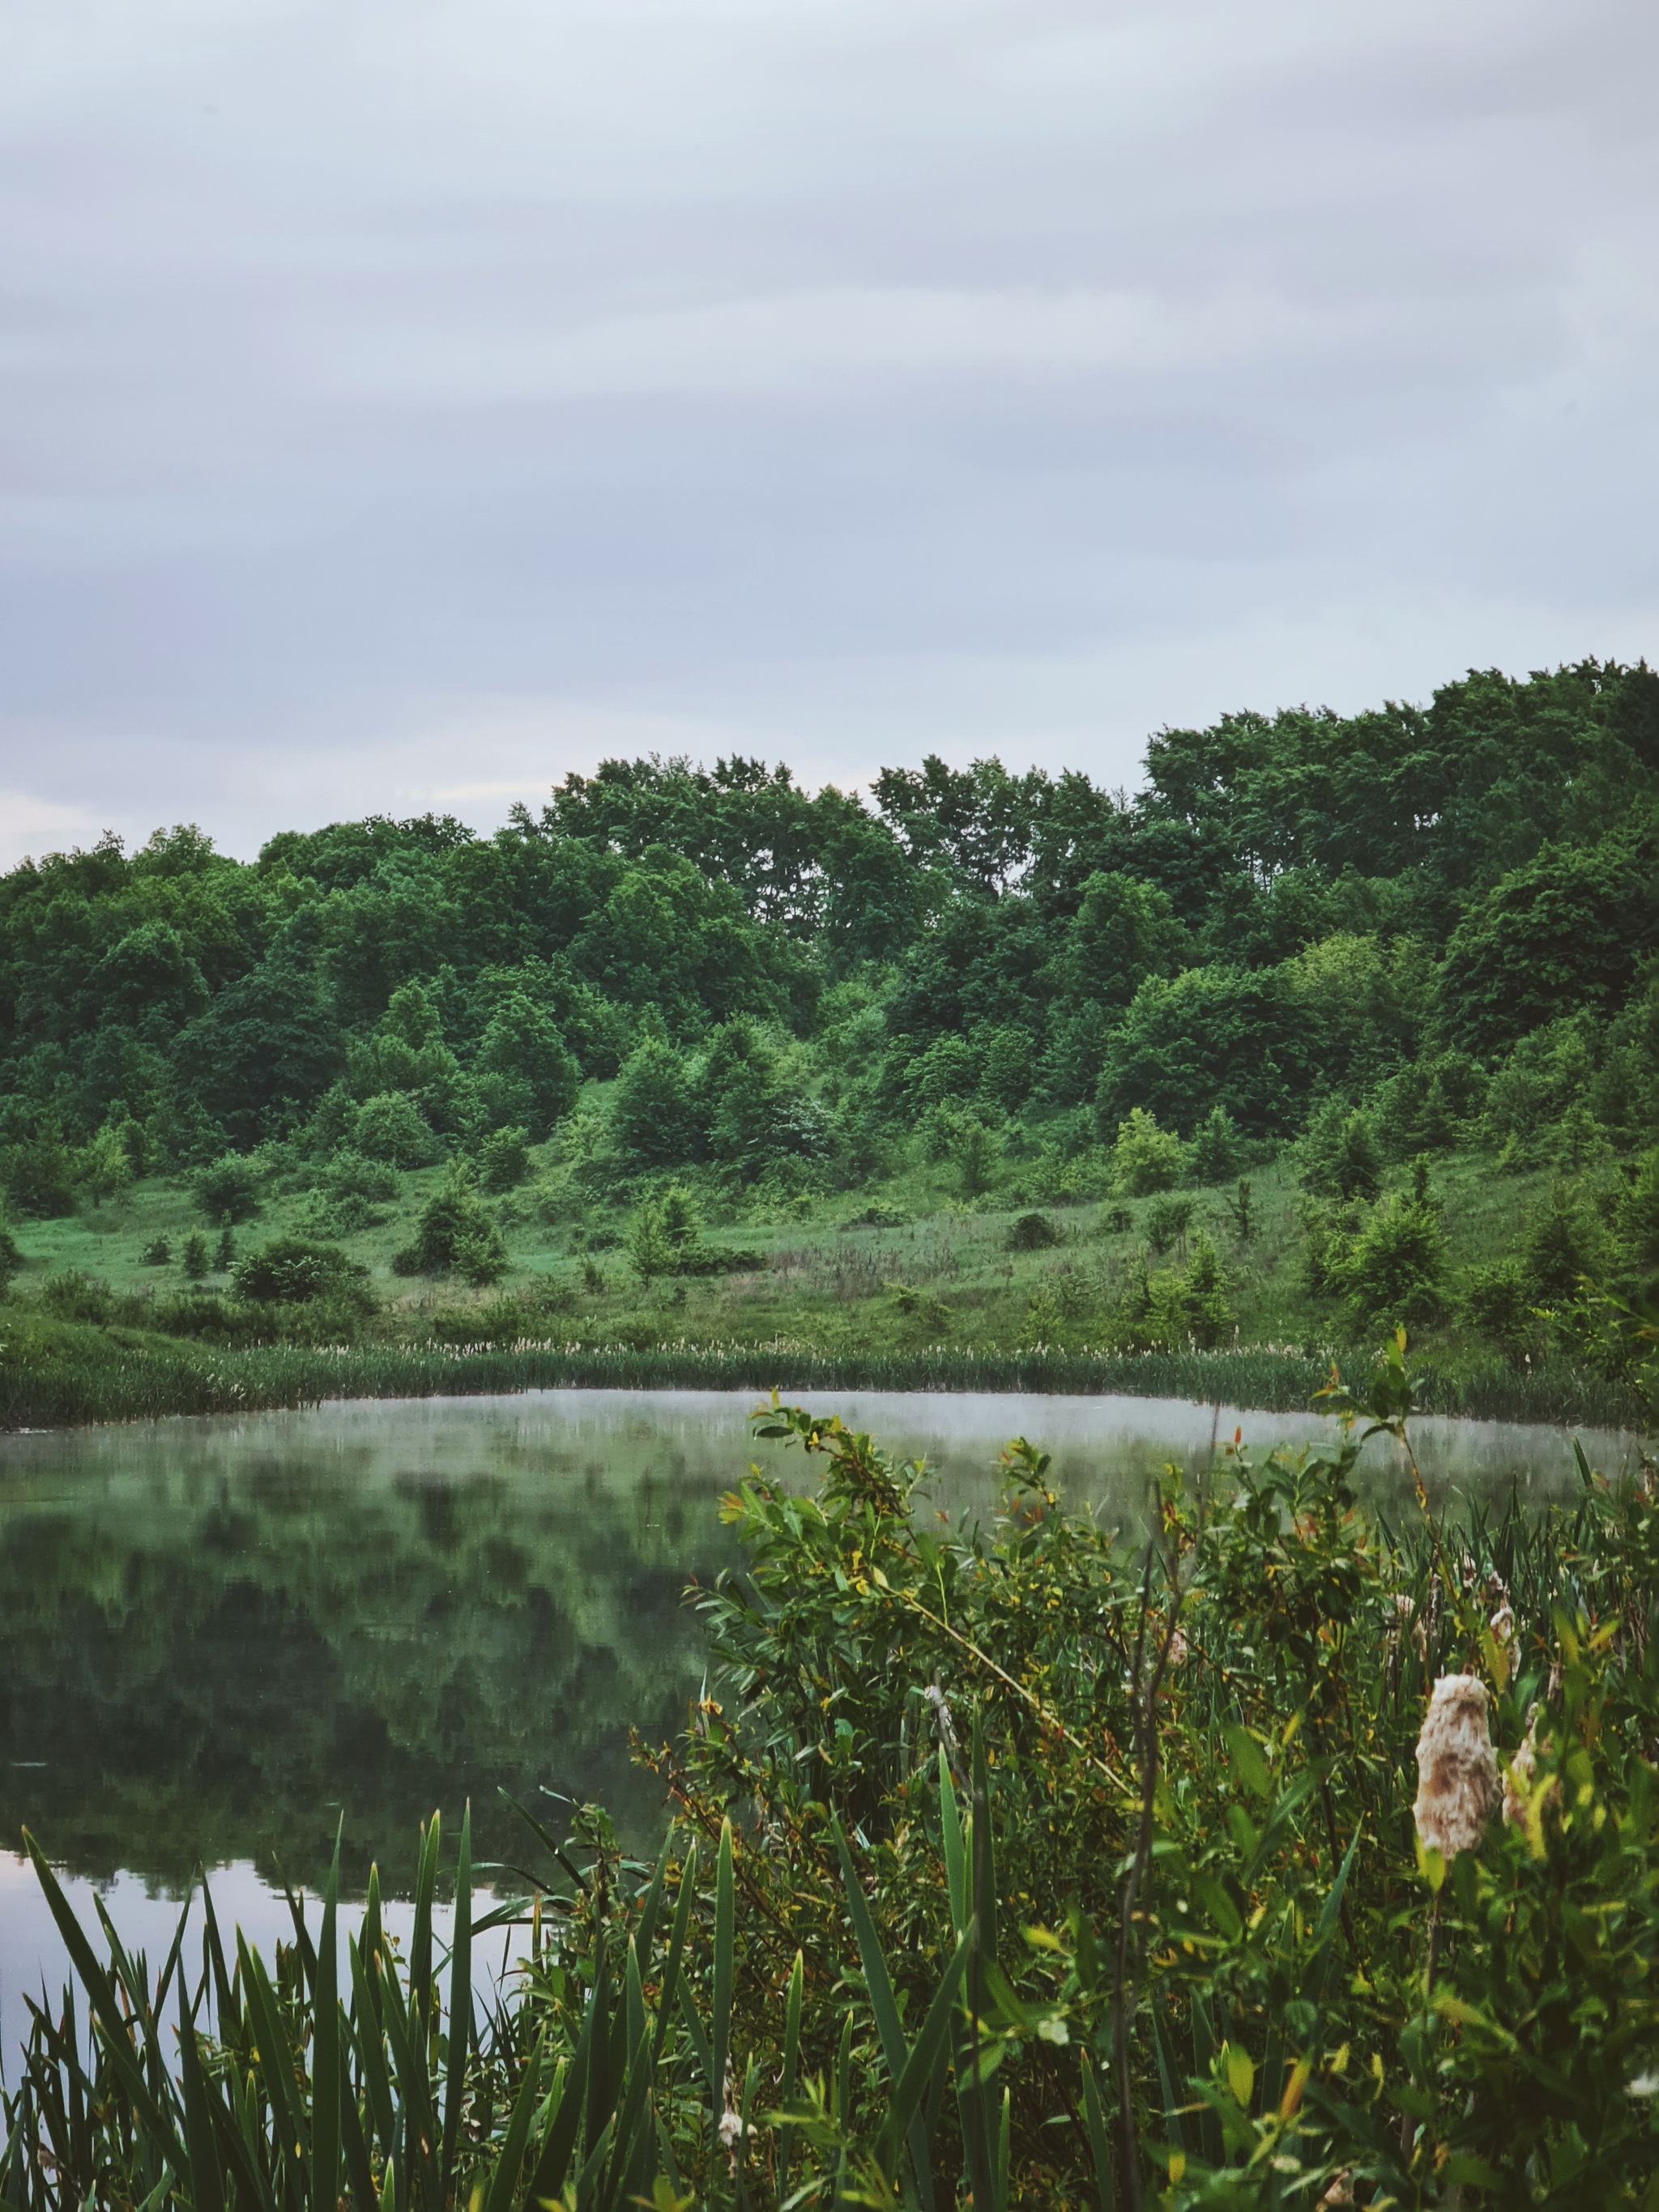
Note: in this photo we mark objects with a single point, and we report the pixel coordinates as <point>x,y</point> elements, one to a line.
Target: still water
<point>220,1636</point>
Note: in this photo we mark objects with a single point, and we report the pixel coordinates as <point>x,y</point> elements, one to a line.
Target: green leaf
<point>1248,1765</point>
<point>1100,2148</point>
<point>1220,1906</point>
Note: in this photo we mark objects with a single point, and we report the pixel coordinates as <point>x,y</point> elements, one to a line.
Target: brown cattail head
<point>1457,1788</point>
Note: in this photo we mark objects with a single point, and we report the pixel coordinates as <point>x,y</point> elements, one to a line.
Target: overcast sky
<point>403,405</point>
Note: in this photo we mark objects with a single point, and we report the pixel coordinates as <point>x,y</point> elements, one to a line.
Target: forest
<point>1336,1023</point>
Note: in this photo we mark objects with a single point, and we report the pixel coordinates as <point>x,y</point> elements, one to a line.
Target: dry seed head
<point>1456,1768</point>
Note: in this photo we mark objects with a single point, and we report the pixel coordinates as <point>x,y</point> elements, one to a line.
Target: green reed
<point>125,1384</point>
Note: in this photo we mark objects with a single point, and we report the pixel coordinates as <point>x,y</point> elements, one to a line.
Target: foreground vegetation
<point>1011,1866</point>
<point>1336,1025</point>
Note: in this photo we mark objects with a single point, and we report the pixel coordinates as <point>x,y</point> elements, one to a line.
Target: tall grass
<point>131,1384</point>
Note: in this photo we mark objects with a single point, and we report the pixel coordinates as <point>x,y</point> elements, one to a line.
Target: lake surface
<point>218,1637</point>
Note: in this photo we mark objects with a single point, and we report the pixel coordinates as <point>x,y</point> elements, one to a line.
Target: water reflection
<point>217,1637</point>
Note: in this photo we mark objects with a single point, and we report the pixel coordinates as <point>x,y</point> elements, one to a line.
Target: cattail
<point>1456,1768</point>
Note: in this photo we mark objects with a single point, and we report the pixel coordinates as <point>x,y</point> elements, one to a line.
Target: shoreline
<point>141,1385</point>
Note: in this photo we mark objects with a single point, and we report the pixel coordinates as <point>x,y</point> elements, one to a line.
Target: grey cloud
<point>424,400</point>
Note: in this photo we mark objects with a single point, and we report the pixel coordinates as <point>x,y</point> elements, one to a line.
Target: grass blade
<point>1100,2145</point>
<point>721,2026</point>
<point>504,2183</point>
<point>791,2066</point>
<point>326,2048</point>
<point>461,2008</point>
<point>956,1858</point>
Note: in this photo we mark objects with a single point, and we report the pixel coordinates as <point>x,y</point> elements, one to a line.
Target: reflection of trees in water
<point>212,1664</point>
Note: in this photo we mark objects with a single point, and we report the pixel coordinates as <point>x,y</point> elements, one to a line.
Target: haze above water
<point>216,1636</point>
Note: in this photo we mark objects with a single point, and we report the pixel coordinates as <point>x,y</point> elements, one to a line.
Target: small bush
<point>1167,1219</point>
<point>158,1253</point>
<point>457,1234</point>
<point>71,1295</point>
<point>1216,1153</point>
<point>351,1173</point>
<point>1032,1232</point>
<point>501,1319</point>
<point>1494,1300</point>
<point>504,1159</point>
<point>293,1271</point>
<point>392,1129</point>
<point>1564,1242</point>
<point>1338,1156</point>
<point>11,1260</point>
<point>1394,1271</point>
<point>1144,1156</point>
<point>227,1188</point>
<point>38,1178</point>
<point>214,1320</point>
<point>880,1215</point>
<point>194,1257</point>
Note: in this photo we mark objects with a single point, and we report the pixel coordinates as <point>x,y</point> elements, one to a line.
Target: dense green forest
<point>1336,1024</point>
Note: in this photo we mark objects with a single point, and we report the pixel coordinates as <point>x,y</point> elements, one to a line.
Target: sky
<point>402,406</point>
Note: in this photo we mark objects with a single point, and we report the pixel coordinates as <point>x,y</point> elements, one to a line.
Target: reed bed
<point>149,1385</point>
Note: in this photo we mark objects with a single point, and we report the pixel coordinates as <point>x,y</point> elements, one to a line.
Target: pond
<point>218,1637</point>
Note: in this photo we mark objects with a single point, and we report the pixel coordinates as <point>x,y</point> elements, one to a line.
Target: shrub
<point>1563,1242</point>
<point>1424,1106</point>
<point>1167,1219</point>
<point>504,1159</point>
<point>11,1260</point>
<point>1638,1217</point>
<point>525,1072</point>
<point>156,1253</point>
<point>227,1188</point>
<point>351,1173</point>
<point>1338,1156</point>
<point>194,1257</point>
<point>500,1320</point>
<point>391,1128</point>
<point>1190,1307</point>
<point>456,1234</point>
<point>1394,1271</point>
<point>72,1295</point>
<point>292,1271</point>
<point>879,1215</point>
<point>1032,1232</point>
<point>205,1314</point>
<point>975,1152</point>
<point>1493,1299</point>
<point>37,1178</point>
<point>1217,1152</point>
<point>1144,1156</point>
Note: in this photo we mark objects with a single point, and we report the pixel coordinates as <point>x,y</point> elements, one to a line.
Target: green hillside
<point>1337,1025</point>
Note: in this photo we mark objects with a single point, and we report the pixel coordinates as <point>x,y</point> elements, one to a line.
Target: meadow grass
<point>940,1302</point>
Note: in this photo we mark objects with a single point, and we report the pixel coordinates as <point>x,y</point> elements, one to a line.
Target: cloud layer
<point>404,404</point>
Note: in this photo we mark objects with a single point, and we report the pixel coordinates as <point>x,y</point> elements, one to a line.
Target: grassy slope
<point>822,1309</point>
